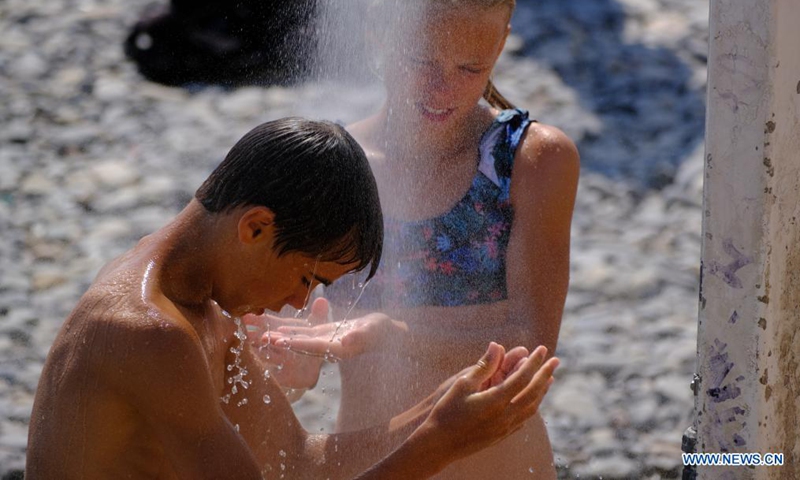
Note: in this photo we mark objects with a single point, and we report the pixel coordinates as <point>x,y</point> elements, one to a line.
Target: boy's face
<point>281,280</point>
<point>259,279</point>
<point>292,277</point>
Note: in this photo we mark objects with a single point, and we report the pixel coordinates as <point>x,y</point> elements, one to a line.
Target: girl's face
<point>437,75</point>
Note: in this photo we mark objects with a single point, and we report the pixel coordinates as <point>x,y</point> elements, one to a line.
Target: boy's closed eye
<point>324,281</point>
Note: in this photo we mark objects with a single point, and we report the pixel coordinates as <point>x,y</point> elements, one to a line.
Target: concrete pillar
<point>748,390</point>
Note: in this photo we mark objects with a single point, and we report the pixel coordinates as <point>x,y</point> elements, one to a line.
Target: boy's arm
<point>467,413</point>
<point>165,376</point>
<point>474,413</point>
<point>281,445</point>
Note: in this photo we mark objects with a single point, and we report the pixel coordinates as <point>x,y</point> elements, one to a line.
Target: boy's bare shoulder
<point>120,321</point>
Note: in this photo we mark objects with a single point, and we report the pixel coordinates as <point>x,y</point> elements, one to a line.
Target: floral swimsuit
<point>458,258</point>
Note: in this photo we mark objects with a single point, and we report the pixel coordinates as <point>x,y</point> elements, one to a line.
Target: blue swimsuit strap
<point>515,122</point>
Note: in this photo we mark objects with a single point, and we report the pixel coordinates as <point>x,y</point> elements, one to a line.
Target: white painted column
<point>748,395</point>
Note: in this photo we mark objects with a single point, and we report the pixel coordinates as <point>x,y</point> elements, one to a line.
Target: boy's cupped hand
<point>334,341</point>
<point>295,349</point>
<point>488,401</point>
<point>290,369</point>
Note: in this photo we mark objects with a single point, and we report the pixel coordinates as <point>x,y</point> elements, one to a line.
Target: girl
<point>480,251</point>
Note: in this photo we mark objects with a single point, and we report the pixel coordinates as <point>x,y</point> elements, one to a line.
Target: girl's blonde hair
<point>495,98</point>
<point>490,94</point>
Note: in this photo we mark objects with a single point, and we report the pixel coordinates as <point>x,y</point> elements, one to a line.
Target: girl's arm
<point>543,187</point>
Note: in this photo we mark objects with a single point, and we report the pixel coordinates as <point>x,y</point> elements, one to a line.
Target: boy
<point>150,376</point>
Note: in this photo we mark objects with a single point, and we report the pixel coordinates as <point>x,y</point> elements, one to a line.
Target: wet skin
<point>88,420</point>
<point>132,387</point>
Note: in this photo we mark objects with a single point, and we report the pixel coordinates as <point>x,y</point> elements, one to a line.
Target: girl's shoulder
<point>546,157</point>
<point>533,146</point>
<point>363,128</point>
<point>542,145</point>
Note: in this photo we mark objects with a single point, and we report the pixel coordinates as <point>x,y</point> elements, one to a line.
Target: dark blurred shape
<point>223,42</point>
<point>14,475</point>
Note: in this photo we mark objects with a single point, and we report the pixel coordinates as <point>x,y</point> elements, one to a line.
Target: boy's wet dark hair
<point>316,180</point>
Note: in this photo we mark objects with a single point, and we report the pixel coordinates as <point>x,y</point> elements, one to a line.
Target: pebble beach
<point>93,157</point>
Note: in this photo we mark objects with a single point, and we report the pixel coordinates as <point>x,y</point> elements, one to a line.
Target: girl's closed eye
<point>473,69</point>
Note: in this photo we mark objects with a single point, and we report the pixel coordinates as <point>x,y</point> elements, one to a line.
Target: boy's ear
<point>256,224</point>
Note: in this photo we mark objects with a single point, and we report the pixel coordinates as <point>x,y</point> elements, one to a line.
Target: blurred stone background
<point>92,157</point>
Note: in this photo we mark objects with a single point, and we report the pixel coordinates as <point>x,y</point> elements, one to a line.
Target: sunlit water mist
<point>352,42</point>
<point>348,43</point>
<point>340,86</point>
<point>345,80</point>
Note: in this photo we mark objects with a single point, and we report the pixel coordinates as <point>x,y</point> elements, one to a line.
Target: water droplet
<point>238,379</point>
<point>266,374</point>
<point>282,453</point>
<point>267,399</point>
<point>236,427</point>
<point>530,470</point>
